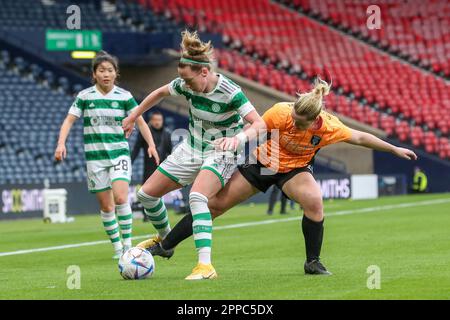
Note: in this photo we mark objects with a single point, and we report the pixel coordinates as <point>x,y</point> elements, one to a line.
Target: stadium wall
<point>27,201</point>
<point>436,169</point>
<point>130,47</point>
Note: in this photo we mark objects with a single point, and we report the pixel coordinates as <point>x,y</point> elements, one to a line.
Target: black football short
<point>254,174</point>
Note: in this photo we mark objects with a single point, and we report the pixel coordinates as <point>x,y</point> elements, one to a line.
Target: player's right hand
<point>405,153</point>
<point>226,144</point>
<point>128,125</point>
<point>60,152</point>
<point>153,153</point>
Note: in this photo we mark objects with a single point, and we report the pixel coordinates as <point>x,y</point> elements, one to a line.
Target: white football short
<point>101,178</point>
<point>185,162</point>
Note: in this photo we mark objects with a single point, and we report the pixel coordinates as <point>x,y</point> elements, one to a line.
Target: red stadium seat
<point>421,36</point>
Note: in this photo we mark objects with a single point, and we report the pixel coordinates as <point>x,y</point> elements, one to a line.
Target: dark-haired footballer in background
<point>103,107</point>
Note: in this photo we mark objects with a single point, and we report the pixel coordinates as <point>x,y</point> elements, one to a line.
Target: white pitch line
<point>243,225</point>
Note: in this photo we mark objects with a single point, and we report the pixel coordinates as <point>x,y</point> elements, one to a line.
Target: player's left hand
<point>152,153</point>
<point>405,153</point>
<point>227,144</point>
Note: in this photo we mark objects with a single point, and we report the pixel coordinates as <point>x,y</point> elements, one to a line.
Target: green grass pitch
<point>407,237</point>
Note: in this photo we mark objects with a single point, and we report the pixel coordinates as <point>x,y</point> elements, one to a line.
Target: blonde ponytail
<point>321,88</point>
<point>194,51</point>
<point>310,104</point>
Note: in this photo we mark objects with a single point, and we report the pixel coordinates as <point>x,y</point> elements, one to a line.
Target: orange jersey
<point>295,148</point>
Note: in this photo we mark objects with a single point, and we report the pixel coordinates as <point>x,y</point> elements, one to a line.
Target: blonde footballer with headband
<point>217,108</point>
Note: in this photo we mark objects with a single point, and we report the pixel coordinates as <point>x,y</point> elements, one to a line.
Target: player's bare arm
<point>368,140</point>
<point>147,135</point>
<point>152,99</point>
<point>61,152</point>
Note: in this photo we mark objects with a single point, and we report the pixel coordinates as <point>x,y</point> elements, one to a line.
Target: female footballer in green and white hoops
<point>103,107</point>
<point>217,107</point>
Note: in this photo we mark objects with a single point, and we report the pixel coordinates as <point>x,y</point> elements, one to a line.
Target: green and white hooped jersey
<point>215,114</point>
<point>104,139</point>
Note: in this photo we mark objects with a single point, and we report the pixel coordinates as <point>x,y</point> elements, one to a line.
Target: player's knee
<point>120,199</point>
<point>314,209</point>
<point>197,197</point>
<point>107,207</point>
<point>314,216</point>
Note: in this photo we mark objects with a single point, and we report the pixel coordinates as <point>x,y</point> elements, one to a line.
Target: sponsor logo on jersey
<point>105,121</point>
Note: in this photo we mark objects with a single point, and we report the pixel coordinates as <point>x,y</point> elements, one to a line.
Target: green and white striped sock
<point>201,226</point>
<point>156,211</point>
<point>112,229</point>
<point>125,216</point>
